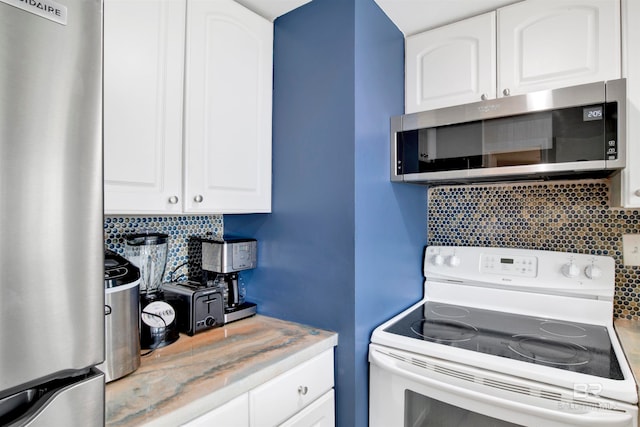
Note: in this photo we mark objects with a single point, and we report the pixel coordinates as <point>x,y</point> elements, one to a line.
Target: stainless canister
<point>122,317</point>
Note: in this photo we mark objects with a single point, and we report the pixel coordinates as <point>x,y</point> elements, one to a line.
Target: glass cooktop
<point>571,346</point>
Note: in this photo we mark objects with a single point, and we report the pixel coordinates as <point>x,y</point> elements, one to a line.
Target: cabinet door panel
<point>228,109</point>
<point>143,80</point>
<point>626,188</point>
<point>320,413</point>
<point>557,44</point>
<point>451,65</point>
<point>234,413</point>
<point>282,397</point>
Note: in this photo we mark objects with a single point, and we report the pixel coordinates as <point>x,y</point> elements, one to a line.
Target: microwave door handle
<point>595,417</point>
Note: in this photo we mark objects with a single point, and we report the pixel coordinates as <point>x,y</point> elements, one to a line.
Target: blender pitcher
<point>148,252</point>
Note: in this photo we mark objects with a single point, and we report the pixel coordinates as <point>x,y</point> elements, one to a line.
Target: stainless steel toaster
<point>198,308</point>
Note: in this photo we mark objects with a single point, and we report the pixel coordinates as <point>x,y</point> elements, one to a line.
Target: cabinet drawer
<point>320,413</point>
<point>276,400</point>
<point>233,413</point>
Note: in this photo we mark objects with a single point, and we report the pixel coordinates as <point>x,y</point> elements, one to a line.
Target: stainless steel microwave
<point>574,131</point>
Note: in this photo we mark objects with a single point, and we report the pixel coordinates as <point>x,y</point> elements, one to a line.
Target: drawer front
<point>279,399</point>
<point>233,413</point>
<point>320,413</point>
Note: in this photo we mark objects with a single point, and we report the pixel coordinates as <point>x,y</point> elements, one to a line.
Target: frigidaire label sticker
<point>47,9</point>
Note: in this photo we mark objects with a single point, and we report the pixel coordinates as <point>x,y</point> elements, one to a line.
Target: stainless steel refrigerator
<point>51,220</point>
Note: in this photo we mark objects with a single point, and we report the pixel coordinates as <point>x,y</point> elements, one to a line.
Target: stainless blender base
<point>246,309</point>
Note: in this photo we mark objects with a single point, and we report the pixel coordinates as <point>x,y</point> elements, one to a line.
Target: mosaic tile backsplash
<point>180,229</point>
<point>567,216</point>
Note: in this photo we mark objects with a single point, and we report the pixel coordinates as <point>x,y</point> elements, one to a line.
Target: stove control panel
<point>584,275</point>
<point>523,266</point>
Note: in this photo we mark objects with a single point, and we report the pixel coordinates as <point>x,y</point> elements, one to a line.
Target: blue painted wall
<point>342,248</point>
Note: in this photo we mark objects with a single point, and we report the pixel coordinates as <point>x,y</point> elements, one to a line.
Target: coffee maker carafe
<point>148,251</point>
<point>222,260</point>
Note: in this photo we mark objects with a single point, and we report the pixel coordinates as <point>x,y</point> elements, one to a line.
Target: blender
<point>148,252</point>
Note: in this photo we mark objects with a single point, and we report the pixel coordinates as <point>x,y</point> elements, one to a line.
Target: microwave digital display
<point>592,113</point>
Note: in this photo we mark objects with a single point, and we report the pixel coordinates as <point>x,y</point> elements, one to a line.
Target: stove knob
<point>453,261</point>
<point>437,260</point>
<point>592,271</point>
<point>570,270</point>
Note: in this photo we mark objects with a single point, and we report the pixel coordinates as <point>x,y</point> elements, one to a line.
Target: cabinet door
<point>545,45</point>
<point>143,81</point>
<point>280,398</point>
<point>320,413</point>
<point>234,413</point>
<point>228,87</point>
<point>627,185</point>
<point>451,65</point>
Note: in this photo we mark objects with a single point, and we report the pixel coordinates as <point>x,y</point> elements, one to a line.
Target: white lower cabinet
<point>300,397</point>
<point>234,413</point>
<point>320,413</point>
<point>277,400</point>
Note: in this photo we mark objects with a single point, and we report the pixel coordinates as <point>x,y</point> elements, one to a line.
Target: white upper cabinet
<point>455,64</point>
<point>626,190</point>
<point>529,46</point>
<point>552,44</point>
<point>187,107</point>
<point>143,80</point>
<point>228,90</point>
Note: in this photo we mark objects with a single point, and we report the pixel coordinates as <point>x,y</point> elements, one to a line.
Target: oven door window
<point>576,134</point>
<point>423,411</point>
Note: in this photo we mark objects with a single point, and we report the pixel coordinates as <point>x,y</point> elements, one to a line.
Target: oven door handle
<point>595,417</point>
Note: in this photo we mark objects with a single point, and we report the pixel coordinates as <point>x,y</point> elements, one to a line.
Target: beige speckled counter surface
<point>629,334</point>
<point>196,374</point>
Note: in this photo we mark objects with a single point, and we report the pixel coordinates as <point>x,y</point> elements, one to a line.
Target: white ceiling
<point>271,9</point>
<point>415,16</point>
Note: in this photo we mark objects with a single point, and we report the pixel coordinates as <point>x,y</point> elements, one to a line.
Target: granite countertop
<point>629,335</point>
<point>196,374</point>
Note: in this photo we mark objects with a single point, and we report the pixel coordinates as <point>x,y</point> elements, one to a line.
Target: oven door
<point>417,391</point>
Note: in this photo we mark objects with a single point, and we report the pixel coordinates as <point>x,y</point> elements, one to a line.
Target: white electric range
<point>504,337</point>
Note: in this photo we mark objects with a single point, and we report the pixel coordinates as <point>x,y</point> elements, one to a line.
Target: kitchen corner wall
<point>567,216</point>
<point>342,248</point>
<point>180,230</point>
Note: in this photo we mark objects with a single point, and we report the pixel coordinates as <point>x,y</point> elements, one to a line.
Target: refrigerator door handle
<point>47,406</point>
<point>17,403</point>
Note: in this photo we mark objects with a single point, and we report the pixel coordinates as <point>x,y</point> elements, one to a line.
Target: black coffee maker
<point>222,260</point>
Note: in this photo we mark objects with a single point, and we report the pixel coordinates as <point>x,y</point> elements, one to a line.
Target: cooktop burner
<point>549,350</point>
<point>571,346</point>
<point>444,330</point>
